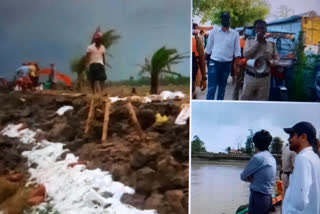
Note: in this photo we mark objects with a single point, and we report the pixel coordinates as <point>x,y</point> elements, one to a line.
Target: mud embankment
<point>157,168</point>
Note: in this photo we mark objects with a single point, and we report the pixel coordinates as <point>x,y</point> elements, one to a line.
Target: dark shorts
<point>96,72</point>
<point>259,203</point>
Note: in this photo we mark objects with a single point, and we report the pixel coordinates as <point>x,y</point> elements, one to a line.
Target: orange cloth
<point>242,42</point>
<point>194,46</point>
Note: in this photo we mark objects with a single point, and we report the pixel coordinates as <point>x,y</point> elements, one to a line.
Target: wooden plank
<point>90,117</point>
<point>135,121</point>
<point>106,121</point>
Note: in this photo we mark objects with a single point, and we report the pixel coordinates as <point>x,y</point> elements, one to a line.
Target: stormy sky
<point>221,125</point>
<point>56,31</point>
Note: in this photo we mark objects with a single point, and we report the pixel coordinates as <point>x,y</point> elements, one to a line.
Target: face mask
<point>225,22</point>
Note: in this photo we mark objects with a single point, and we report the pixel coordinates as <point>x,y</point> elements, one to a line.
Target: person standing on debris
<point>257,85</point>
<point>303,193</point>
<point>287,162</point>
<point>95,59</point>
<point>261,173</point>
<point>201,56</point>
<point>223,45</point>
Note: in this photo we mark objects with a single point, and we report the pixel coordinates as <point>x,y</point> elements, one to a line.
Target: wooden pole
<point>135,120</point>
<point>90,117</point>
<point>106,121</point>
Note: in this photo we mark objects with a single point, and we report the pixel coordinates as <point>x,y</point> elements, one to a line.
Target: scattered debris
<point>184,115</point>
<point>63,109</point>
<point>168,95</point>
<point>75,189</point>
<point>161,119</point>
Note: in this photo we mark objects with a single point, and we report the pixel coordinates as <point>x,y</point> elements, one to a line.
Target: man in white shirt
<point>223,45</point>
<point>95,59</point>
<point>287,162</point>
<point>303,193</point>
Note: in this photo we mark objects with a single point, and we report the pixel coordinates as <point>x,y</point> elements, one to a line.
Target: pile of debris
<point>152,160</point>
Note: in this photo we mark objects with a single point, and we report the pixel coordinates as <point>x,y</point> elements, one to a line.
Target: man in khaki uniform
<point>201,56</point>
<point>257,85</point>
<point>287,163</point>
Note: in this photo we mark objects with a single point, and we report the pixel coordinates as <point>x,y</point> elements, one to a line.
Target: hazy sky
<point>55,31</point>
<point>221,125</point>
<point>297,6</point>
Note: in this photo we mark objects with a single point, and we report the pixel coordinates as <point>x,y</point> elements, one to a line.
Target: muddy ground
<point>157,168</point>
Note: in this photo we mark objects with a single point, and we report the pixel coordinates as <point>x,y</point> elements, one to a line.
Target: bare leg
<point>92,86</point>
<point>98,88</point>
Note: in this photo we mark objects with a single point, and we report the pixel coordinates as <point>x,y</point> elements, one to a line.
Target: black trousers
<point>259,203</point>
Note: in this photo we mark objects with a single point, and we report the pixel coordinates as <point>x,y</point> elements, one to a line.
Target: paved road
<point>201,95</point>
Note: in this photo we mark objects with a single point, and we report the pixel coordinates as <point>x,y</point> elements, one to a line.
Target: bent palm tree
<point>161,62</point>
<point>78,65</point>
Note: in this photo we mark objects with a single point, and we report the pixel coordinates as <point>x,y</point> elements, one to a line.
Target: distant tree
<point>249,143</point>
<point>276,145</point>
<point>243,12</point>
<point>228,149</point>
<point>197,145</point>
<point>239,143</point>
<point>161,62</point>
<point>283,11</point>
<point>243,150</point>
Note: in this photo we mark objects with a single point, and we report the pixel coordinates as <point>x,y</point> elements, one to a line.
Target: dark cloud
<point>58,30</point>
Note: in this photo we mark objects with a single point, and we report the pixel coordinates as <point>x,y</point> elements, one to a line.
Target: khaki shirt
<point>200,46</point>
<point>287,159</point>
<point>253,50</point>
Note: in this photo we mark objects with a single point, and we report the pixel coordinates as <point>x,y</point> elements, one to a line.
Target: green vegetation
<point>243,12</point>
<point>228,149</point>
<point>303,75</point>
<point>143,81</point>
<point>249,146</point>
<point>160,63</point>
<point>197,145</point>
<point>42,209</point>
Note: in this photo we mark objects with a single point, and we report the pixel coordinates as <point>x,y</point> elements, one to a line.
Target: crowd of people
<point>223,50</point>
<point>27,76</point>
<point>300,172</point>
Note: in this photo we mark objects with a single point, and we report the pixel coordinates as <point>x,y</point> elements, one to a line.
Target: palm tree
<point>78,65</point>
<point>160,63</point>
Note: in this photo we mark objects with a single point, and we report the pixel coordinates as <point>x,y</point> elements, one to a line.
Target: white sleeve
<point>299,184</point>
<point>237,50</point>
<point>89,49</point>
<point>209,46</point>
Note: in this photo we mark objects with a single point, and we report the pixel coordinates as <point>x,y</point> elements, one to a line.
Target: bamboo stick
<point>135,120</point>
<point>106,121</point>
<point>90,117</point>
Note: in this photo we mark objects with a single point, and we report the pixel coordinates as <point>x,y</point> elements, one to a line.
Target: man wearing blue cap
<point>223,45</point>
<point>303,193</point>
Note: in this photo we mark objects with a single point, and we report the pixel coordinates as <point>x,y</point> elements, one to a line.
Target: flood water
<point>216,187</point>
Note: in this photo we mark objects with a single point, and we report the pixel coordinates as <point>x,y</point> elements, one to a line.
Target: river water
<point>216,187</point>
